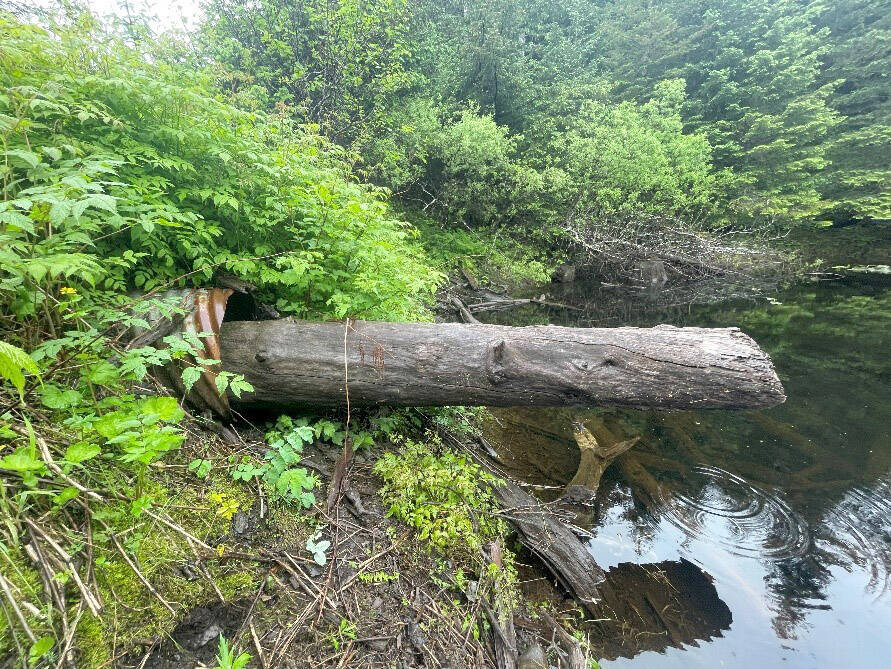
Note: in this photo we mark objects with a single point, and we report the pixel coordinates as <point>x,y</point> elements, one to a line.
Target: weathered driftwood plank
<point>294,363</point>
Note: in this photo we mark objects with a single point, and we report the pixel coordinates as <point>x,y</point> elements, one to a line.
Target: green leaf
<point>81,452</point>
<point>200,467</point>
<point>52,152</point>
<point>222,381</point>
<point>59,212</point>
<point>54,397</point>
<point>238,385</point>
<point>17,219</point>
<point>14,364</point>
<point>305,433</point>
<point>29,158</point>
<point>190,376</point>
<point>137,506</point>
<point>40,648</point>
<point>103,373</point>
<point>22,460</point>
<point>165,407</point>
<point>65,495</point>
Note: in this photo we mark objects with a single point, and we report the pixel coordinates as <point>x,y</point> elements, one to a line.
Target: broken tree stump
<point>295,363</point>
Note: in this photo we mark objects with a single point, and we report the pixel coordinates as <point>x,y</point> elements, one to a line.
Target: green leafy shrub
<point>279,468</point>
<point>446,499</point>
<point>629,157</point>
<point>120,174</point>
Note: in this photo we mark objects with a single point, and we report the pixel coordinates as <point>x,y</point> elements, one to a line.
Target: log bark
<point>541,530</point>
<point>294,363</point>
<point>545,534</point>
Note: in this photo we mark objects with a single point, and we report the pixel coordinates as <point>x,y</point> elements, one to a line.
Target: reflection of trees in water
<point>656,605</point>
<point>858,528</point>
<point>849,522</point>
<point>796,587</point>
<point>854,533</point>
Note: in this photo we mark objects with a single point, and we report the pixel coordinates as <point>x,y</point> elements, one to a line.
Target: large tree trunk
<point>293,363</point>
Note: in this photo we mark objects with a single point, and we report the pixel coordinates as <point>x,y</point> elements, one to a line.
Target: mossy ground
<point>382,596</point>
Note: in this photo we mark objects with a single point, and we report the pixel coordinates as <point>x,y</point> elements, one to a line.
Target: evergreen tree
<point>858,183</point>
<point>340,63</point>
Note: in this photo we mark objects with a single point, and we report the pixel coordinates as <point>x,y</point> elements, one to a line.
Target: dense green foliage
<point>128,173</point>
<point>339,63</point>
<point>121,175</point>
<point>446,499</point>
<point>858,180</point>
<point>780,112</point>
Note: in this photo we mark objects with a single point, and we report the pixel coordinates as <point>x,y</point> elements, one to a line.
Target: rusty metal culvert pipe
<point>201,312</point>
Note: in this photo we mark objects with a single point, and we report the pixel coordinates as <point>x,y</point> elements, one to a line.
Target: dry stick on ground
<point>86,593</point>
<point>7,588</point>
<point>55,469</point>
<point>575,657</point>
<point>51,585</point>
<point>177,528</point>
<point>68,639</point>
<point>11,626</point>
<point>250,612</point>
<point>257,645</point>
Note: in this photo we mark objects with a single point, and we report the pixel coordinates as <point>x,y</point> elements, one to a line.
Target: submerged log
<point>594,458</point>
<point>295,363</point>
<point>543,532</point>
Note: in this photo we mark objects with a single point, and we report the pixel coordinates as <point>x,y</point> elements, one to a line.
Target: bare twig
<point>89,598</point>
<point>8,588</point>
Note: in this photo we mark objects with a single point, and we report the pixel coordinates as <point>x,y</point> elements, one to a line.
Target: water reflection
<point>860,529</point>
<point>654,606</point>
<point>788,510</point>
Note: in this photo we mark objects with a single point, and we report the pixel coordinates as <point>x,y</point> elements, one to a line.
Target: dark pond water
<point>787,511</point>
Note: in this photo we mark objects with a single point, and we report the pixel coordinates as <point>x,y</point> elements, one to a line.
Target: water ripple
<point>860,525</point>
<point>739,516</point>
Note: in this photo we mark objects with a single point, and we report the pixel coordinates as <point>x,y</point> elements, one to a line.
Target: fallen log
<point>293,363</point>
<point>543,533</point>
<point>507,303</point>
<point>463,311</point>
